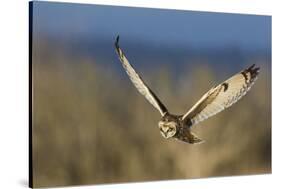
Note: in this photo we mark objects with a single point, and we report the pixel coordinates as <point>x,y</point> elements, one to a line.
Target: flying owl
<point>214,101</point>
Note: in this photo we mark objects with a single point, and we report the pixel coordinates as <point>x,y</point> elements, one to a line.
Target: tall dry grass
<point>91,126</point>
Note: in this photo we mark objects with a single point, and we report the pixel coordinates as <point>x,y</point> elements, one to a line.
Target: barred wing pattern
<point>138,82</point>
<point>222,96</point>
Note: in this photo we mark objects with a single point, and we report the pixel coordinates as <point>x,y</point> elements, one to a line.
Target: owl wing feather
<point>138,82</point>
<point>222,96</point>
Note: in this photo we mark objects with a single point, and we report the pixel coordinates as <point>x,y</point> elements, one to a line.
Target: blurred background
<point>91,126</point>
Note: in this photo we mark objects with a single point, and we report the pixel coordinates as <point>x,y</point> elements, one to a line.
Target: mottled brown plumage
<point>214,101</point>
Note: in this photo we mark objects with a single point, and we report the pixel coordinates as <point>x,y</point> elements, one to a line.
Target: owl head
<point>167,128</point>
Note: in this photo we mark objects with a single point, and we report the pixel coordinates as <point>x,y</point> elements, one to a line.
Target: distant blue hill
<point>143,54</point>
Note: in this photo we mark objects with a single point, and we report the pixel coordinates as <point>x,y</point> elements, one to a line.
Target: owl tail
<point>194,139</point>
<point>190,138</point>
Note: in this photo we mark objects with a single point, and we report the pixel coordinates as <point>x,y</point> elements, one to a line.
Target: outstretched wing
<point>138,82</point>
<point>222,96</point>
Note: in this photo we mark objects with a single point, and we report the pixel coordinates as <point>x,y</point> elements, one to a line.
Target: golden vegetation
<point>91,126</point>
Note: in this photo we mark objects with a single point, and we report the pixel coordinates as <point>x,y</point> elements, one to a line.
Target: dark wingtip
<point>251,67</point>
<point>117,42</point>
<point>254,71</point>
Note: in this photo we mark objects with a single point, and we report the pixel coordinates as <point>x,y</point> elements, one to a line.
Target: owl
<point>214,101</point>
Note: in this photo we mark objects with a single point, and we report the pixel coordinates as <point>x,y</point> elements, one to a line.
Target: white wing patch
<point>222,96</point>
<point>138,82</point>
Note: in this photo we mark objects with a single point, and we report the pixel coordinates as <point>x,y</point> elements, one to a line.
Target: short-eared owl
<point>214,101</point>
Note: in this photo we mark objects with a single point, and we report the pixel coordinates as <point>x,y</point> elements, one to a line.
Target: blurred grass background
<point>91,126</point>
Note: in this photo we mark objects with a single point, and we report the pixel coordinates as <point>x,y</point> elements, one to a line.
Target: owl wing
<point>138,82</point>
<point>222,96</point>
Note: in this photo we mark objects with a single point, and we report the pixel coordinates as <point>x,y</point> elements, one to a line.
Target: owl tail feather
<point>191,138</point>
<point>194,139</point>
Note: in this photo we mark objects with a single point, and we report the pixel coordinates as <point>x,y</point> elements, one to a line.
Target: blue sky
<point>196,29</point>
